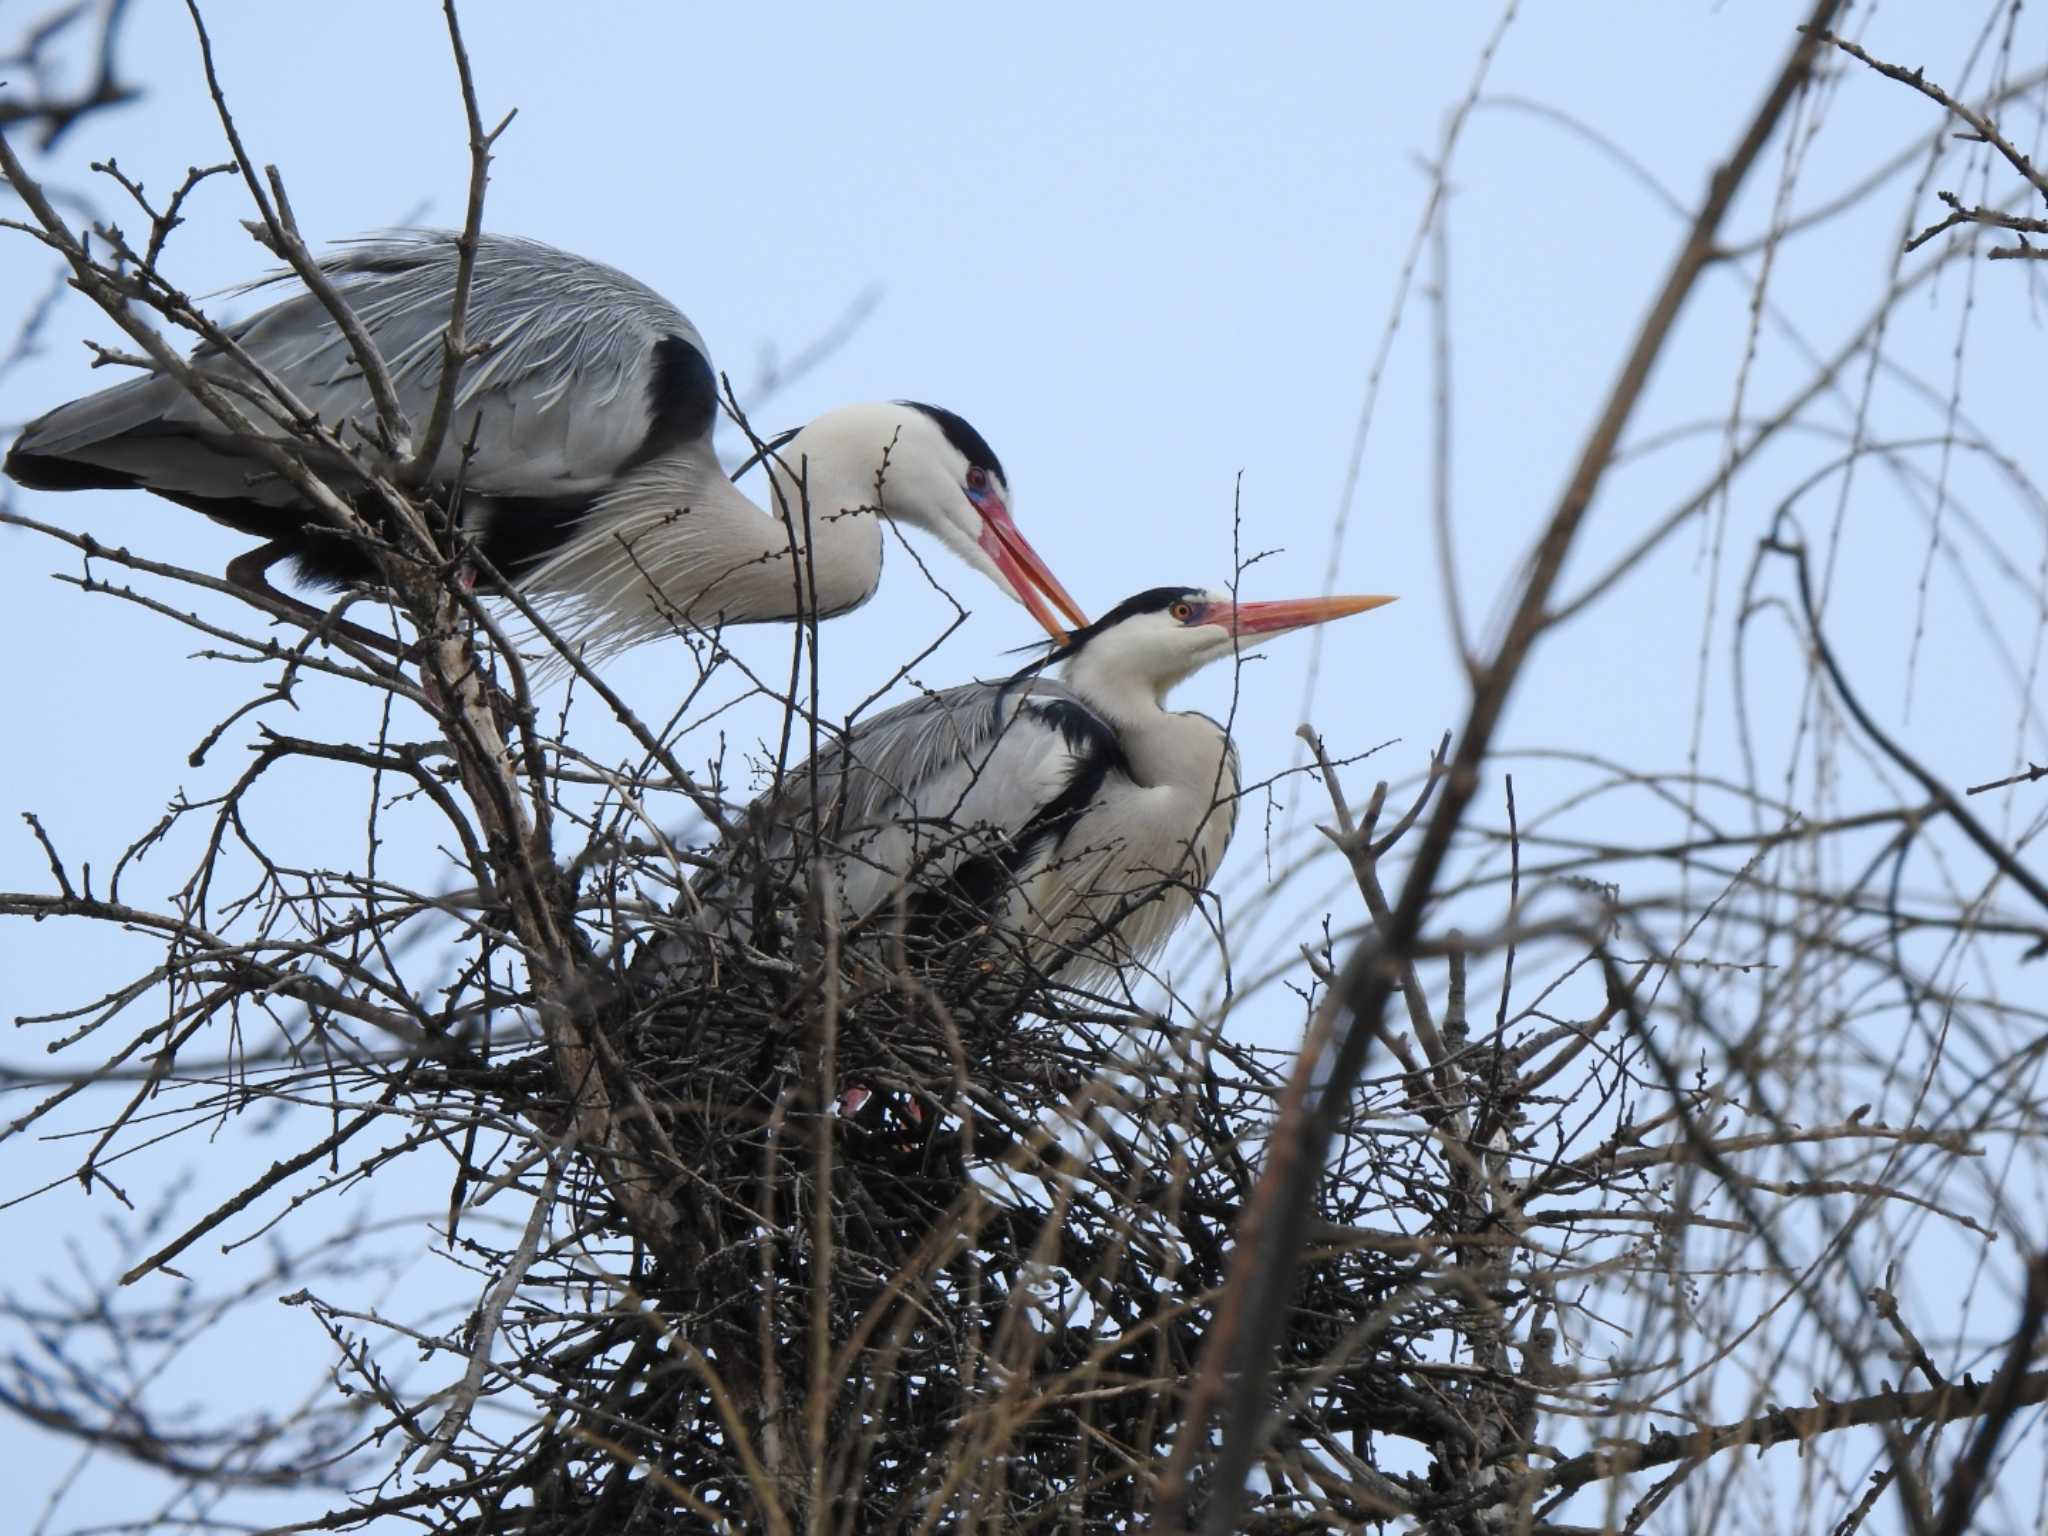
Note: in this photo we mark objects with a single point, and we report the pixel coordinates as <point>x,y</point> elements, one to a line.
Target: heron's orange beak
<point>1028,576</point>
<point>1293,613</point>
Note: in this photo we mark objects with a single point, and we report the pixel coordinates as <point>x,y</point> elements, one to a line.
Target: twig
<point>2034,773</point>
<point>2010,1390</point>
<point>2006,861</point>
<point>1264,1267</point>
<point>279,234</point>
<point>491,1314</point>
<point>59,115</point>
<point>455,347</point>
<point>1937,1405</point>
<point>1507,969</point>
<point>1979,123</point>
<point>278,1173</point>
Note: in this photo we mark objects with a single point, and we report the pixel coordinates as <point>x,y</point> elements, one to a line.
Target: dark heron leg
<point>249,573</point>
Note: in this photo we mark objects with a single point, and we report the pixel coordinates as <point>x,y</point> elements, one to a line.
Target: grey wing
<point>924,786</point>
<point>587,373</point>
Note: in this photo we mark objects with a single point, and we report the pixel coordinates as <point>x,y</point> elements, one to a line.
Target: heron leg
<point>249,573</point>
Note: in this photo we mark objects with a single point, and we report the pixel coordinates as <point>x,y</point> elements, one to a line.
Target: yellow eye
<point>1182,612</point>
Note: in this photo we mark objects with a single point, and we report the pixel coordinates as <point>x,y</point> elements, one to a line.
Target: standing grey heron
<point>592,484</point>
<point>1080,819</point>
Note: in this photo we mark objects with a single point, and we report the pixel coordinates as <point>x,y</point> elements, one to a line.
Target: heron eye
<point>977,479</point>
<point>1182,612</point>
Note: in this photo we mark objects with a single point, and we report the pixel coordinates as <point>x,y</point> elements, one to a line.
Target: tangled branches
<point>1468,1171</point>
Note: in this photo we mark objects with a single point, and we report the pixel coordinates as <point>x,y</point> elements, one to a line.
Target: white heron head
<point>927,467</point>
<point>1147,643</point>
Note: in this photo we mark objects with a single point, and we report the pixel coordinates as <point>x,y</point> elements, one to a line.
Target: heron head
<point>1150,642</point>
<point>948,480</point>
<point>926,466</point>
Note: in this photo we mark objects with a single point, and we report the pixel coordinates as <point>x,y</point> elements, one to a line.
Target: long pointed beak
<point>1293,613</point>
<point>1028,576</point>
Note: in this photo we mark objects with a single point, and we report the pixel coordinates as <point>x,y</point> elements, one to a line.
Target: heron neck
<point>832,517</point>
<point>677,545</point>
<point>1164,747</point>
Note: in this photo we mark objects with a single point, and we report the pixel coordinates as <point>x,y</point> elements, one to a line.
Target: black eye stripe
<point>972,446</point>
<point>1152,600</point>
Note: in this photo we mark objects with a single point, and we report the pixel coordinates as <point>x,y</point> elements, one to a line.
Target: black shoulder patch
<point>1081,728</point>
<point>682,400</point>
<point>961,434</point>
<point>1098,753</point>
<point>970,893</point>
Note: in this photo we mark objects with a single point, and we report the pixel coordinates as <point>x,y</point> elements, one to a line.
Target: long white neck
<point>676,545</point>
<point>1165,748</point>
<point>1162,840</point>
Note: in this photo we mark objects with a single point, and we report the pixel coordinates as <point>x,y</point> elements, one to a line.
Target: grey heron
<point>592,483</point>
<point>1079,818</point>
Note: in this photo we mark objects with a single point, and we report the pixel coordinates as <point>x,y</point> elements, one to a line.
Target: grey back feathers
<point>1012,807</point>
<point>935,781</point>
<point>573,346</point>
<point>589,375</point>
<point>571,343</point>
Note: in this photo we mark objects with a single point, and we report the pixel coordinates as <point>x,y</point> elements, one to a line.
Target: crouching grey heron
<point>1079,819</point>
<point>591,485</point>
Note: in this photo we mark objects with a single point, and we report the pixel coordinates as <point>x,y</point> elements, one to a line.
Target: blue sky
<point>1151,253</point>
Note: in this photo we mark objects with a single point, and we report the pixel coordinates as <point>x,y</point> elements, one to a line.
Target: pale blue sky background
<point>1145,250</point>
